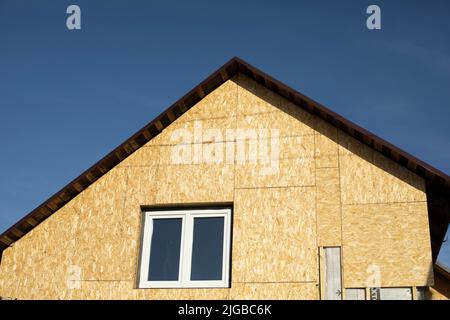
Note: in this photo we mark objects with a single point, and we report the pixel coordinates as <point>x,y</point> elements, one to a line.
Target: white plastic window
<point>185,249</point>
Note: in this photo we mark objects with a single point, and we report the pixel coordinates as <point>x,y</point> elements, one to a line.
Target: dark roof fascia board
<point>442,270</point>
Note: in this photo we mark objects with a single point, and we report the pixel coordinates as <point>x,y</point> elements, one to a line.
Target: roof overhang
<point>442,270</point>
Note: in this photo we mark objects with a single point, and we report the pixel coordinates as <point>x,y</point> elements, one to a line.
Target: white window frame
<point>187,227</point>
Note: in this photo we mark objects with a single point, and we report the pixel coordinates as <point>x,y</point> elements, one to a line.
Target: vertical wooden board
<point>369,177</point>
<point>274,291</point>
<point>328,207</point>
<point>274,238</point>
<point>333,283</point>
<point>389,243</point>
<point>355,294</point>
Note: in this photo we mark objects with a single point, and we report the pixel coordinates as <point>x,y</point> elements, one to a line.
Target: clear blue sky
<point>67,98</point>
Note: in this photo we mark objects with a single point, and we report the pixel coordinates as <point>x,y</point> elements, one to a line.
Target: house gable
<point>329,190</point>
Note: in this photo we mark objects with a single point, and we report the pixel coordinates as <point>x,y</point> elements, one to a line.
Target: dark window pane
<point>207,249</point>
<point>165,250</point>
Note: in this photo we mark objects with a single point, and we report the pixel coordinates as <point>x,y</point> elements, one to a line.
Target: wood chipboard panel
<point>274,237</point>
<point>389,243</point>
<point>369,177</point>
<point>328,207</point>
<point>274,291</point>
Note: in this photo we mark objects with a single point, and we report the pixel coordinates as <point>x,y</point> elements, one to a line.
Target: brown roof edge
<point>442,270</point>
<point>436,180</point>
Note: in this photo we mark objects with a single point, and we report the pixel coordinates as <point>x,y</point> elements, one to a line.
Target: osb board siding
<point>216,111</point>
<point>293,165</point>
<point>326,145</point>
<point>328,207</point>
<point>125,290</point>
<point>389,240</point>
<point>328,189</point>
<point>278,291</point>
<point>195,183</point>
<point>221,103</point>
<point>197,128</point>
<point>291,172</point>
<point>377,179</point>
<point>37,264</point>
<point>103,218</point>
<point>257,103</point>
<point>148,155</point>
<point>274,237</point>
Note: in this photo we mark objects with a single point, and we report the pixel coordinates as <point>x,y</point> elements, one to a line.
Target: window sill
<point>185,286</point>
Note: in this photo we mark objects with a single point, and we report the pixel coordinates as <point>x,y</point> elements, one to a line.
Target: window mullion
<point>187,249</point>
<point>180,266</point>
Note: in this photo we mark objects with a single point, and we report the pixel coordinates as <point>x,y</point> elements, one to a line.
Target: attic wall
<point>328,190</point>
